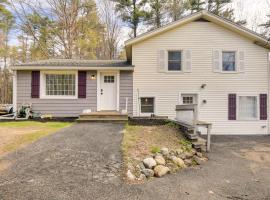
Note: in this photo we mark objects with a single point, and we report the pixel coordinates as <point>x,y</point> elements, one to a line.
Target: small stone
<point>188,155</point>
<point>160,160</point>
<point>142,177</point>
<point>179,151</point>
<point>164,151</point>
<point>149,163</point>
<point>130,176</point>
<point>193,151</point>
<point>140,166</point>
<point>182,156</point>
<point>199,154</point>
<point>198,160</point>
<point>148,173</point>
<point>161,170</point>
<point>178,161</point>
<point>188,162</point>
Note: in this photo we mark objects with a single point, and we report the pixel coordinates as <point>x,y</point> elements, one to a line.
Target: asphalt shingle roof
<point>76,63</point>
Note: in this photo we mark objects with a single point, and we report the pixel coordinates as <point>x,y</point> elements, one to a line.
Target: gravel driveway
<point>84,162</point>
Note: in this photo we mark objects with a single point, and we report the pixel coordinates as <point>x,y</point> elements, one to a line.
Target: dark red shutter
<point>232,107</point>
<point>263,106</point>
<point>82,84</point>
<point>35,84</point>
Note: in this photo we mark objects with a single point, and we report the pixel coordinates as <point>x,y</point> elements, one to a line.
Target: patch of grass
<point>186,145</point>
<point>45,129</point>
<point>155,149</point>
<point>172,124</point>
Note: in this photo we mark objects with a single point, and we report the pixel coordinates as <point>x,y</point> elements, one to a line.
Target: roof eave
<point>129,68</point>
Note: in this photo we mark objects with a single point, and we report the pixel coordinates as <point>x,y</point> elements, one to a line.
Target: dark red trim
<point>82,84</point>
<point>35,84</point>
<point>232,107</point>
<point>263,106</point>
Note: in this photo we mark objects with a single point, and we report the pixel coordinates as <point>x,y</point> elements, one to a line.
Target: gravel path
<point>84,162</point>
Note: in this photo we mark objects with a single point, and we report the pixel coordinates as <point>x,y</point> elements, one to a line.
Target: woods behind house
<point>86,29</point>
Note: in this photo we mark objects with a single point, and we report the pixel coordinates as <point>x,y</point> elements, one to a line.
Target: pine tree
<point>196,5</point>
<point>155,16</point>
<point>266,25</point>
<point>132,12</point>
<point>221,8</point>
<point>176,8</point>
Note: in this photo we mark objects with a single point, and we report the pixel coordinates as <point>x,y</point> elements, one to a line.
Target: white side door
<point>108,91</point>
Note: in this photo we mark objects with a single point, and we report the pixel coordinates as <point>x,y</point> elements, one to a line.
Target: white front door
<point>108,91</point>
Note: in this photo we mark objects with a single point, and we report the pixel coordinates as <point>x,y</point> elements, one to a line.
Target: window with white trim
<point>59,84</point>
<point>228,61</point>
<point>147,104</point>
<point>174,60</point>
<point>248,107</point>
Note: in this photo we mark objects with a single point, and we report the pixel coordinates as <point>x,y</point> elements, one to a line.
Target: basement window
<point>147,105</point>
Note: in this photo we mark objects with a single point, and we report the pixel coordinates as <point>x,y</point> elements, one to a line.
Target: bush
<point>186,145</point>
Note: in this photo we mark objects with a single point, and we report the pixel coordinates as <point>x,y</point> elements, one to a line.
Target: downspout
<point>14,93</point>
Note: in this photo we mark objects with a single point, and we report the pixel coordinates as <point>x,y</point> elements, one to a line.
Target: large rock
<point>130,176</point>
<point>198,160</point>
<point>161,170</point>
<point>160,160</point>
<point>148,173</point>
<point>164,151</point>
<point>178,161</point>
<point>142,177</point>
<point>149,163</point>
<point>189,155</point>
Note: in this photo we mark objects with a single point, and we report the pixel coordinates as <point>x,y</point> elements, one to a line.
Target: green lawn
<point>30,131</point>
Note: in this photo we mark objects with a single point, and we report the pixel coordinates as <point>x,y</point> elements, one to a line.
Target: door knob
<point>101,91</point>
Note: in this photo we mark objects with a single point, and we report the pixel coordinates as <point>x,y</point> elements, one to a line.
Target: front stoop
<point>103,116</point>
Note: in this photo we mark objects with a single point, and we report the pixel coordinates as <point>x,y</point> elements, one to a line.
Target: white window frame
<point>147,114</point>
<point>167,61</point>
<point>43,85</point>
<point>257,118</point>
<point>236,61</point>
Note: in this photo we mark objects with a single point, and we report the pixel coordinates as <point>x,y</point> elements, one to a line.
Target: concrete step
<point>200,144</point>
<point>192,137</point>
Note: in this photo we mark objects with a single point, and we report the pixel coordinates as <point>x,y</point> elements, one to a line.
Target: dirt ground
<point>140,141</point>
<point>10,134</point>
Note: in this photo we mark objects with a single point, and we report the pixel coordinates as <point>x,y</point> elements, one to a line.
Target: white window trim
<point>238,106</point>
<point>236,61</point>
<point>167,62</point>
<point>147,114</point>
<point>43,85</point>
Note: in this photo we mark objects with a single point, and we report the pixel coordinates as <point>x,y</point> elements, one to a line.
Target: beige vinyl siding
<point>56,107</point>
<point>201,38</point>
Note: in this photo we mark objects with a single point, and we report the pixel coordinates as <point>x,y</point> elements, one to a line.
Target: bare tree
<point>112,25</point>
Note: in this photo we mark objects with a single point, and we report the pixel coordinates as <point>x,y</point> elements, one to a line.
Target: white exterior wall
<point>201,38</point>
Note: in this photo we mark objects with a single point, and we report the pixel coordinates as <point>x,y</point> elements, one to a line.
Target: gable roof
<point>75,64</point>
<point>253,36</point>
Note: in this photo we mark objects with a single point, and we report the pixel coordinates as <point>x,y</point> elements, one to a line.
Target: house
<point>201,59</point>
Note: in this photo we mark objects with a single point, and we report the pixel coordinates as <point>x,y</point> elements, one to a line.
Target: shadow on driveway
<point>84,162</point>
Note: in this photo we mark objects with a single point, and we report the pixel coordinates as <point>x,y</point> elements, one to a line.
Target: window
<point>187,99</point>
<point>108,79</point>
<point>60,84</point>
<point>147,105</point>
<point>174,61</point>
<point>228,61</point>
<point>248,107</point>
